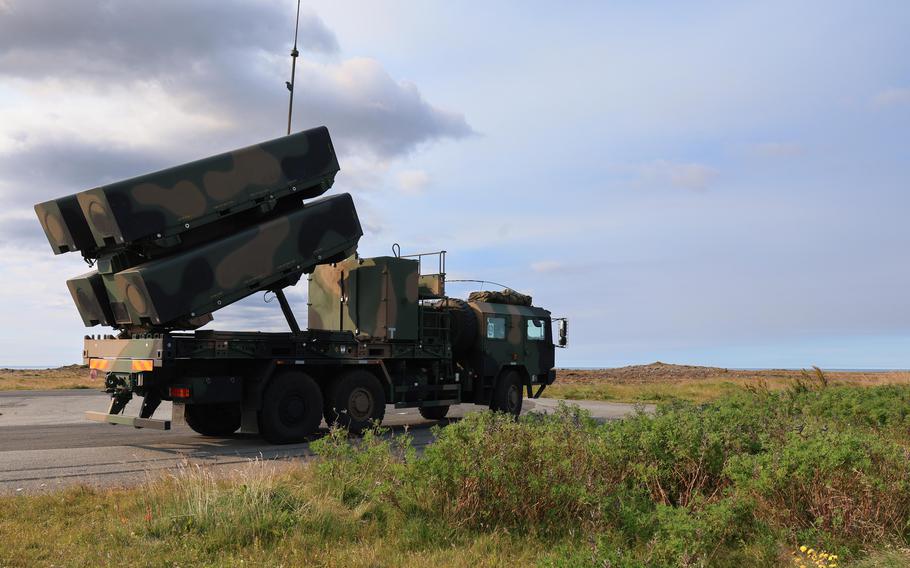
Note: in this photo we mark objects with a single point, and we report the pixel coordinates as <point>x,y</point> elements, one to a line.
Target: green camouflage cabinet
<point>373,297</point>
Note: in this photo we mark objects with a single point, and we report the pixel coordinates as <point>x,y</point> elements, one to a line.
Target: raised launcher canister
<point>173,246</point>
<point>187,204</point>
<point>206,278</point>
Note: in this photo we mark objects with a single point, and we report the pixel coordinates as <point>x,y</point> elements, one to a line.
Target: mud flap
<point>249,421</point>
<point>178,413</point>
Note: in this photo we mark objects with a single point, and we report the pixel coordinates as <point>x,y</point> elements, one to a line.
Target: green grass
<point>739,482</point>
<point>715,385</point>
<point>694,391</point>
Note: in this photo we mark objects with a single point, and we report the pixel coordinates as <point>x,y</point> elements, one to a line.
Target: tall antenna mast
<point>279,293</point>
<point>294,54</point>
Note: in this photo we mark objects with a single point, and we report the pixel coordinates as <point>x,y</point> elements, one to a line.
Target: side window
<point>496,327</point>
<point>536,330</point>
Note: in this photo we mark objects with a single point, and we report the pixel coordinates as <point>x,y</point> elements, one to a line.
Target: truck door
<point>501,345</point>
<point>538,346</point>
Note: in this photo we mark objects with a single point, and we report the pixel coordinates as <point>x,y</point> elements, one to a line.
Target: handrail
<point>441,254</point>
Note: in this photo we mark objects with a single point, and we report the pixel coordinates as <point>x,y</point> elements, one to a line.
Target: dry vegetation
<point>660,381</point>
<point>639,383</point>
<point>743,481</point>
<point>69,377</point>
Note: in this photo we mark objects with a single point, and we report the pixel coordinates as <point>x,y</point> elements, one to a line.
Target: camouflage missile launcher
<point>175,246</point>
<point>163,209</point>
<point>91,299</point>
<point>65,225</point>
<point>209,277</point>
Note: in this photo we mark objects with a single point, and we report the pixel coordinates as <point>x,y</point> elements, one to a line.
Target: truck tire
<point>291,408</point>
<point>434,412</point>
<point>213,419</point>
<point>358,401</point>
<point>508,394</point>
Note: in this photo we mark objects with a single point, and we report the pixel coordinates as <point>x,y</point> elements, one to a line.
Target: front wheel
<point>291,408</point>
<point>508,394</point>
<point>213,419</point>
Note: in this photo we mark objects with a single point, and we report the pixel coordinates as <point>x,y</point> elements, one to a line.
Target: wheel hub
<point>292,409</point>
<point>360,404</point>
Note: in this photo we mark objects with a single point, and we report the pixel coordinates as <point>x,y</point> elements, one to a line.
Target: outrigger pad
<point>134,421</point>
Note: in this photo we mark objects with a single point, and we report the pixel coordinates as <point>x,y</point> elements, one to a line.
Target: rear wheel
<point>291,408</point>
<point>434,412</point>
<point>357,401</point>
<point>213,419</point>
<point>508,394</point>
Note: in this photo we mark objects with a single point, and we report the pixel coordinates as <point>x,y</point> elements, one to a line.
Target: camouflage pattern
<point>164,205</point>
<point>91,299</point>
<point>511,344</point>
<point>205,278</point>
<point>431,286</point>
<point>507,296</point>
<point>65,226</point>
<point>373,297</point>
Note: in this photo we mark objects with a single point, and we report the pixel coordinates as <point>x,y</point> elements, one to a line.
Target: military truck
<point>171,247</point>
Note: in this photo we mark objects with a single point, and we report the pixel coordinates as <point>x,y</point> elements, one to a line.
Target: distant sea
<point>837,370</point>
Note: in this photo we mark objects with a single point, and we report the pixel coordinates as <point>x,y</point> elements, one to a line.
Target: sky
<point>716,183</point>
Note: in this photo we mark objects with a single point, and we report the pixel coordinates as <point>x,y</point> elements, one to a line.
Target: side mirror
<point>563,332</point>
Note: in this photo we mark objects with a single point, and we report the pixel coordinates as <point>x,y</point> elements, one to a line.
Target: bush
<point>848,485</point>
<point>690,485</point>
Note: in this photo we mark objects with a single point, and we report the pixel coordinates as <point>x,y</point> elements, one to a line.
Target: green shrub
<point>691,485</point>
<point>850,485</point>
<point>544,474</point>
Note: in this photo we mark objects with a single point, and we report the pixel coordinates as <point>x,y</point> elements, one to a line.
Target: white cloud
<point>145,39</point>
<point>692,176</point>
<point>413,182</point>
<point>104,116</point>
<point>546,266</point>
<point>370,110</point>
<point>892,97</point>
<point>143,114</point>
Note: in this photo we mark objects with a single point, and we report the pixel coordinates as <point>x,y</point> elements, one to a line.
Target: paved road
<point>45,443</point>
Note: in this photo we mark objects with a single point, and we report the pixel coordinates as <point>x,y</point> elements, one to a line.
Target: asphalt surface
<point>45,442</point>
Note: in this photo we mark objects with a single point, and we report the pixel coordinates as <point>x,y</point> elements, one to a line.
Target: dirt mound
<point>654,372</point>
<point>666,373</point>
